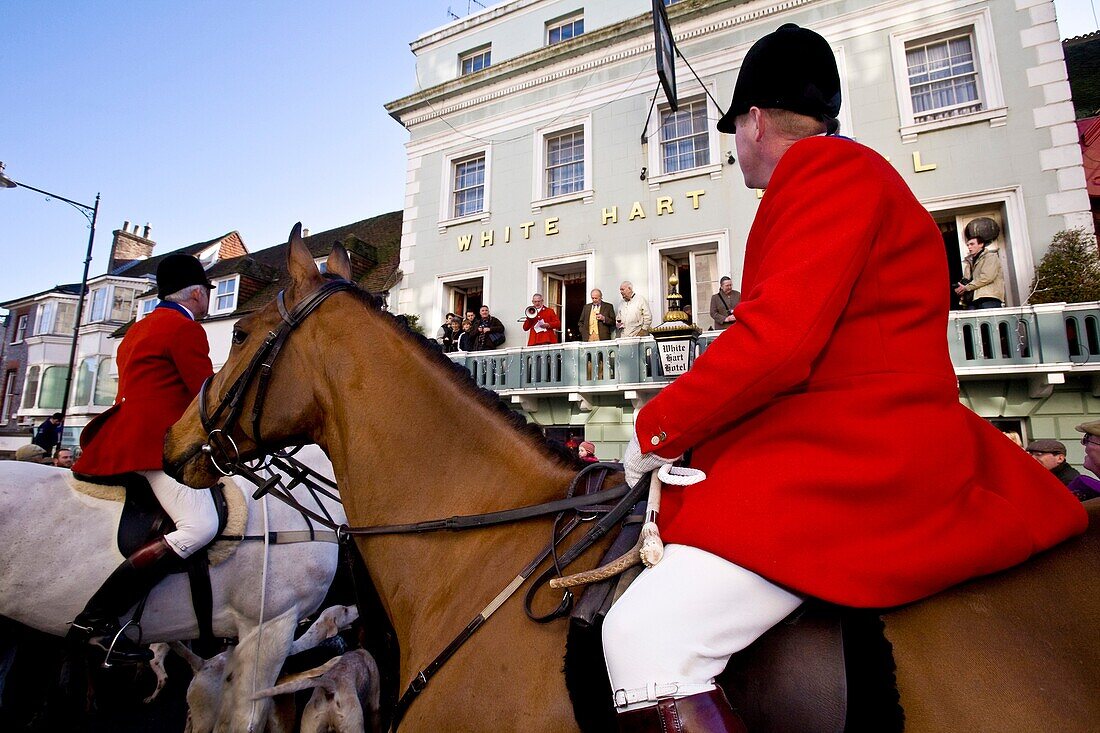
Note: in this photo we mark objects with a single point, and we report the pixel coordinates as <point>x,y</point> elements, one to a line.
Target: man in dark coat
<point>489,331</point>
<point>48,435</point>
<point>597,319</point>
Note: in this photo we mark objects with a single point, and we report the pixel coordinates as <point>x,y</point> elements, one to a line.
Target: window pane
<point>106,385</point>
<point>226,295</point>
<point>475,62</point>
<point>65,321</point>
<point>30,391</point>
<point>565,163</point>
<point>84,377</point>
<point>53,388</point>
<point>469,186</point>
<point>122,305</point>
<point>98,310</point>
<point>685,142</point>
<point>43,322</point>
<point>943,79</point>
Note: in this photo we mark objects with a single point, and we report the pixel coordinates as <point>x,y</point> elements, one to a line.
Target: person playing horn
<point>162,362</point>
<point>810,416</point>
<point>541,322</point>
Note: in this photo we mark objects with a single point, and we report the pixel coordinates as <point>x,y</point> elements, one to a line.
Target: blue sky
<point>205,116</point>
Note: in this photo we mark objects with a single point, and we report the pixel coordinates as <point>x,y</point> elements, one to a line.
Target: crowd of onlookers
<point>599,320</point>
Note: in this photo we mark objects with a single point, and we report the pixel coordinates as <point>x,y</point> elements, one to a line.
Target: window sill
<point>997,117</point>
<point>586,196</point>
<point>714,170</point>
<point>479,216</point>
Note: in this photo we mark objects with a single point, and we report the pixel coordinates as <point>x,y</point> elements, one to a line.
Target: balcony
<point>1040,343</point>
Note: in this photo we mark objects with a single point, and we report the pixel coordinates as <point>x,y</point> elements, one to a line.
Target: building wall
<point>1016,160</point>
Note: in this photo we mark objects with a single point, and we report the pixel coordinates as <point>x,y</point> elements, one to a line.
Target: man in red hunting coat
<point>839,461</point>
<point>162,362</point>
<point>542,325</point>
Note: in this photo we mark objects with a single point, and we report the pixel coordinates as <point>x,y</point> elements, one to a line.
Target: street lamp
<point>90,213</point>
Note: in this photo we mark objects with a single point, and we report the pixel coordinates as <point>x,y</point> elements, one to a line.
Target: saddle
<point>825,668</point>
<point>144,519</point>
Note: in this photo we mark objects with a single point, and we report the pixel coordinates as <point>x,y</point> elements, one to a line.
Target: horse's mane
<point>461,376</point>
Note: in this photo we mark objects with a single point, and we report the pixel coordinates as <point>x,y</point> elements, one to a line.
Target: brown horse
<point>388,413</point>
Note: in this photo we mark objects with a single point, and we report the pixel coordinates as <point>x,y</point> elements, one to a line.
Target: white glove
<point>636,465</point>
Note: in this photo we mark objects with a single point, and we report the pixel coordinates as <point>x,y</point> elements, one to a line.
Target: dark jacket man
<point>604,321</point>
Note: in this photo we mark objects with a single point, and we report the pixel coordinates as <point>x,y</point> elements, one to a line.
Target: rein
<point>224,455</point>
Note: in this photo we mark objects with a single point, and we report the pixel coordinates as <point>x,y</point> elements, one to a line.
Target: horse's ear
<point>304,275</point>
<point>339,263</point>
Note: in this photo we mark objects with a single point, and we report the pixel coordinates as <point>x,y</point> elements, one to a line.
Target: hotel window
<point>30,390</point>
<point>943,77</point>
<point>564,28</point>
<point>685,141</point>
<point>225,295</point>
<point>469,186</point>
<point>122,304</point>
<point>97,311</point>
<point>474,61</point>
<point>946,75</point>
<point>20,329</point>
<point>565,163</point>
<point>106,384</point>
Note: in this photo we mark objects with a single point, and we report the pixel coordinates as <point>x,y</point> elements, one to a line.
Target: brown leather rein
<point>611,505</point>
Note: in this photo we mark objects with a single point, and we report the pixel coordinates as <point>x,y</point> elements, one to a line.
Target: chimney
<point>129,247</point>
<point>145,234</point>
<point>305,233</point>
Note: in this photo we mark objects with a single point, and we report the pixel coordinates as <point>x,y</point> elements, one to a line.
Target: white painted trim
<point>689,90</point>
<point>441,282</point>
<point>1014,231</point>
<point>658,289</point>
<point>214,310</point>
<point>446,192</point>
<point>988,72</point>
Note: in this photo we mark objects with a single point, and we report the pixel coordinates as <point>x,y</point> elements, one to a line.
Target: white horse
<point>59,546</point>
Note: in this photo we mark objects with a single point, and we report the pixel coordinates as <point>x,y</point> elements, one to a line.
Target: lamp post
<point>90,213</point>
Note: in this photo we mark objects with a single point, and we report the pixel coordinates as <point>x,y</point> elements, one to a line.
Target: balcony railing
<point>1025,340</point>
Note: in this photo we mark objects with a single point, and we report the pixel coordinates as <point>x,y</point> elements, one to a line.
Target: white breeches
<point>192,510</point>
<point>676,626</point>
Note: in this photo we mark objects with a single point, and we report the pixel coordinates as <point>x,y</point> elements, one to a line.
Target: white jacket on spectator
<point>635,316</point>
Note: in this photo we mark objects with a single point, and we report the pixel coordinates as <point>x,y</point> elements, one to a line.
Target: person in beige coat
<point>982,278</point>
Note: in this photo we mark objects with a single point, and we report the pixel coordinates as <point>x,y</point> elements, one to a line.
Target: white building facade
<point>538,163</point>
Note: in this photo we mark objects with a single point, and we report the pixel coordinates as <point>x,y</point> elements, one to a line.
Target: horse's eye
<point>239,336</point>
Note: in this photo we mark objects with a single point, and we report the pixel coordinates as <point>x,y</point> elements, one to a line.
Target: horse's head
<point>263,386</point>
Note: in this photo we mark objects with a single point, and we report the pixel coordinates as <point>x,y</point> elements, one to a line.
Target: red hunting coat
<point>162,362</point>
<point>839,460</point>
<point>550,316</point>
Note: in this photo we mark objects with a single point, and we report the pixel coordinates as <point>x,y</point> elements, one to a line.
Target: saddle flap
<point>793,678</point>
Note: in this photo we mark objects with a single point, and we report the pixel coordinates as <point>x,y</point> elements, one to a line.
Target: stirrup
<point>120,634</point>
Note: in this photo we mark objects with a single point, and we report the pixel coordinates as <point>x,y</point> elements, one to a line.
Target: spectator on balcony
<point>48,434</point>
<point>64,458</point>
<point>1052,454</point>
<point>541,323</point>
<point>465,340</point>
<point>586,451</point>
<point>447,335</point>
<point>982,284</point>
<point>597,319</point>
<point>635,317</point>
<point>573,443</point>
<point>723,302</point>
<point>489,331</point>
<point>1083,487</point>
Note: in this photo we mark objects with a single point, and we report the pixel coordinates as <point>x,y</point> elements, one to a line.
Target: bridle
<point>220,447</point>
<point>603,508</point>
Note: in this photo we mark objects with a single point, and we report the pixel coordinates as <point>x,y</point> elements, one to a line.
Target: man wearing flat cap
<point>1083,487</point>
<point>841,391</point>
<point>162,362</point>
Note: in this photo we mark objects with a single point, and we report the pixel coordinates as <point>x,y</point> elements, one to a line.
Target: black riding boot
<point>98,623</point>
<point>706,712</point>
